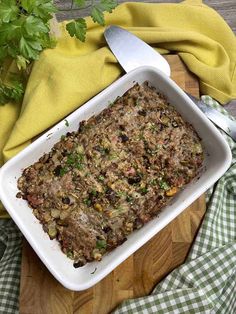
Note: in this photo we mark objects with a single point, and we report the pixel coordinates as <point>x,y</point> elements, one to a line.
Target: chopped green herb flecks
<point>94,192</point>
<point>153,182</point>
<point>70,254</point>
<point>101,244</point>
<point>105,151</point>
<point>102,150</point>
<point>101,178</point>
<point>63,137</point>
<point>143,190</point>
<point>87,201</point>
<point>141,136</point>
<point>63,171</point>
<point>79,166</point>
<point>113,156</point>
<point>164,185</point>
<point>70,159</point>
<point>120,193</point>
<point>75,160</point>
<point>154,127</point>
<point>66,123</point>
<point>129,198</point>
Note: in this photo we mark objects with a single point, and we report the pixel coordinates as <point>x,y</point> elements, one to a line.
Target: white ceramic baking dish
<point>217,161</point>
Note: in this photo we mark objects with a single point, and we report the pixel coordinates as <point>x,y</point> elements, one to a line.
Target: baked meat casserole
<point>113,175</point>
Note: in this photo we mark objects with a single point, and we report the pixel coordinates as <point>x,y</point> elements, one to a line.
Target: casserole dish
<point>217,159</point>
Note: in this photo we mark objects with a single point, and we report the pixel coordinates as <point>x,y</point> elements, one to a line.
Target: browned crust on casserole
<point>111,177</point>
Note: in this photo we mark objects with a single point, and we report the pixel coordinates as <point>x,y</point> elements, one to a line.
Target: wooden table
<point>40,293</point>
<point>226,8</point>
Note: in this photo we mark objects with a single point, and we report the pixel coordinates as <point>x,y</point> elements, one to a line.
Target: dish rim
<point>133,248</point>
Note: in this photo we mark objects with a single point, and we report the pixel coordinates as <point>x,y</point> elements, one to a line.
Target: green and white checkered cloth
<point>206,283</point>
<point>10,262</point>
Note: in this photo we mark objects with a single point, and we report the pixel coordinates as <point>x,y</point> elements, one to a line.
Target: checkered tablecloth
<point>10,262</point>
<point>206,283</point>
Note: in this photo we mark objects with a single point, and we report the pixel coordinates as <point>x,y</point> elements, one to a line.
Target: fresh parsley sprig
<point>78,27</point>
<point>25,32</point>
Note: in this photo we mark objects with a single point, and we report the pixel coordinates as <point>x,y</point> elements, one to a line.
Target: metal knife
<point>131,52</point>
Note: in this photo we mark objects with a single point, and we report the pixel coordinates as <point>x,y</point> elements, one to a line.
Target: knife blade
<point>131,52</point>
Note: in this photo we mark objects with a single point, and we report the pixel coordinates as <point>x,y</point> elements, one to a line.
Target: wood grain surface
<point>226,8</point>
<point>40,293</point>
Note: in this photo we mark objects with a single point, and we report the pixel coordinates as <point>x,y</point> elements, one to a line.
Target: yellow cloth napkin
<point>68,75</point>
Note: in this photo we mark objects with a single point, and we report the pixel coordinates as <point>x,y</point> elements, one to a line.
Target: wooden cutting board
<point>40,293</point>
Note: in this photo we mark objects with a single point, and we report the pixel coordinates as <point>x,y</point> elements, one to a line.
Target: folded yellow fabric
<point>68,75</point>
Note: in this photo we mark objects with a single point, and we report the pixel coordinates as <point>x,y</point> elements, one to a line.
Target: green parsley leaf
<point>28,5</point>
<point>12,92</point>
<point>35,26</point>
<point>107,5</point>
<point>47,40</point>
<point>66,123</point>
<point>77,28</point>
<point>12,51</point>
<point>30,48</point>
<point>8,11</point>
<point>6,33</point>
<point>3,52</point>
<point>101,244</point>
<point>21,62</point>
<point>97,15</point>
<point>25,32</point>
<point>98,9</point>
<point>44,9</point>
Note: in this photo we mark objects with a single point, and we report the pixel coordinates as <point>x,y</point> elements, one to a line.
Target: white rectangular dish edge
<point>217,160</point>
